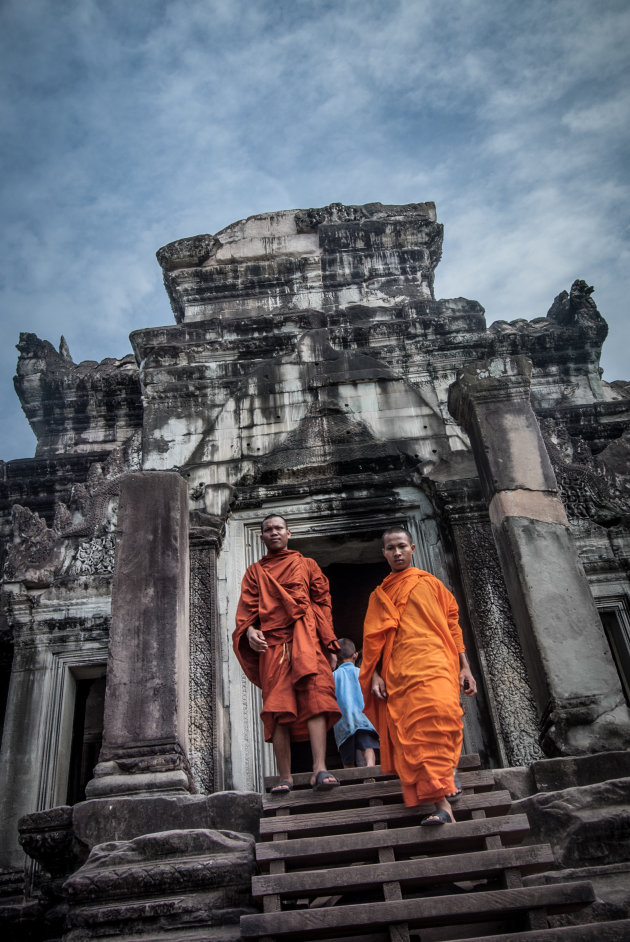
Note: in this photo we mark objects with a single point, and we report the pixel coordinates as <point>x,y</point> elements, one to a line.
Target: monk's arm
<point>319,592</point>
<point>379,690</point>
<point>247,617</point>
<point>256,639</point>
<point>467,682</point>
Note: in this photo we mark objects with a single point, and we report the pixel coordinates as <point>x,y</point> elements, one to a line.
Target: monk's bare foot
<point>323,781</point>
<point>441,815</point>
<point>282,787</point>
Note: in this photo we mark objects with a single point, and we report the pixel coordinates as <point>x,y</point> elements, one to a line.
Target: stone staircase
<point>353,863</point>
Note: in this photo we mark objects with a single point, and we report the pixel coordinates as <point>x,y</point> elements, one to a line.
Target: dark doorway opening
<point>354,566</point>
<point>87,735</point>
<point>619,641</point>
<point>350,588</point>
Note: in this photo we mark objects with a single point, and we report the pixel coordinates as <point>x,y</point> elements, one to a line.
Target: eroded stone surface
<point>161,883</point>
<point>76,407</point>
<point>308,371</point>
<point>586,826</point>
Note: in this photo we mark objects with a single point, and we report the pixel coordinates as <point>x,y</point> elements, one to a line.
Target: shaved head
<point>400,529</point>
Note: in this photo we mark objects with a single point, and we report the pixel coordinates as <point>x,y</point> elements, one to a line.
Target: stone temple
<point>310,371</point>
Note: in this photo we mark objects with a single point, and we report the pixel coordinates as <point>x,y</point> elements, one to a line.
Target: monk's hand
<point>467,682</point>
<point>379,690</point>
<point>256,639</point>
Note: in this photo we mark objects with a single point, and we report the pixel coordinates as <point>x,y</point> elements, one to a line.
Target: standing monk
<point>414,666</point>
<point>284,640</point>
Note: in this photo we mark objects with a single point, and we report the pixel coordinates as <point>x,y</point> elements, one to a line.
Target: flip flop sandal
<point>459,790</point>
<point>436,817</point>
<point>282,788</point>
<point>321,785</point>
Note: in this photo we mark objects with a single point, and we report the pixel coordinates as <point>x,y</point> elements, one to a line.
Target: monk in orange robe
<point>414,667</point>
<point>284,641</point>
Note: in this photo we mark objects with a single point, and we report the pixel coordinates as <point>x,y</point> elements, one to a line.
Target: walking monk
<point>414,666</point>
<point>284,640</point>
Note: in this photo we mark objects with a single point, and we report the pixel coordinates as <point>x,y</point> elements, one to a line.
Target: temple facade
<point>311,372</point>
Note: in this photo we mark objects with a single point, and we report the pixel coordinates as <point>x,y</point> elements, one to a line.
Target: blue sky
<point>130,123</point>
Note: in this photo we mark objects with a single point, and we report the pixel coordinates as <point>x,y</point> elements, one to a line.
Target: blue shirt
<point>350,700</point>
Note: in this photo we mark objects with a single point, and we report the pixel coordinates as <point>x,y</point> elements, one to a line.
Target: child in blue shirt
<point>355,736</point>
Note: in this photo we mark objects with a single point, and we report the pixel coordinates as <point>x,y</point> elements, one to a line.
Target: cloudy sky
<point>130,123</point>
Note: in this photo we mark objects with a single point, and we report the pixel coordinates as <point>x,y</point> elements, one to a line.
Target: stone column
<point>145,735</point>
<point>573,677</point>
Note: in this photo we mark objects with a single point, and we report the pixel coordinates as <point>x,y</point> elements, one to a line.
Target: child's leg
<point>370,756</point>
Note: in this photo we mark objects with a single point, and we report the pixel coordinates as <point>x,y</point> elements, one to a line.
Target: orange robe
<point>412,636</point>
<point>287,596</point>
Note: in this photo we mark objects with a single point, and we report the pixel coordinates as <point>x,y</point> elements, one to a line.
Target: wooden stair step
<point>467,763</point>
<point>408,873</point>
<point>354,819</point>
<point>449,838</point>
<point>350,794</point>
<point>428,911</point>
<point>302,780</point>
<point>616,931</point>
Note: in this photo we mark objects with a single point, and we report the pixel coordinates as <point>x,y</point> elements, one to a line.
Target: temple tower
<point>310,371</point>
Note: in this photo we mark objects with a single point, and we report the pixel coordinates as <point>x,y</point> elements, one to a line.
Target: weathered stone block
<point>145,732</point>
<point>162,883</point>
<point>586,826</point>
<point>570,665</point>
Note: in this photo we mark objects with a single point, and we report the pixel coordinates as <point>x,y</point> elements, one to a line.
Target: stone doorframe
<point>250,758</point>
<point>41,779</point>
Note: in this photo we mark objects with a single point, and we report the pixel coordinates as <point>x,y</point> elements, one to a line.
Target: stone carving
<point>96,556</point>
<point>50,840</point>
<point>88,406</point>
<point>575,330</point>
<point>36,555</point>
<point>578,307</point>
<point>203,667</point>
<point>170,883</point>
<point>497,638</point>
<point>40,553</point>
<point>592,487</point>
<point>166,861</point>
<point>95,501</point>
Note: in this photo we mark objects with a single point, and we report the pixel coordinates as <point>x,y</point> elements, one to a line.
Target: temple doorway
<point>87,735</point>
<point>350,588</point>
<point>348,547</point>
<point>354,566</point>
